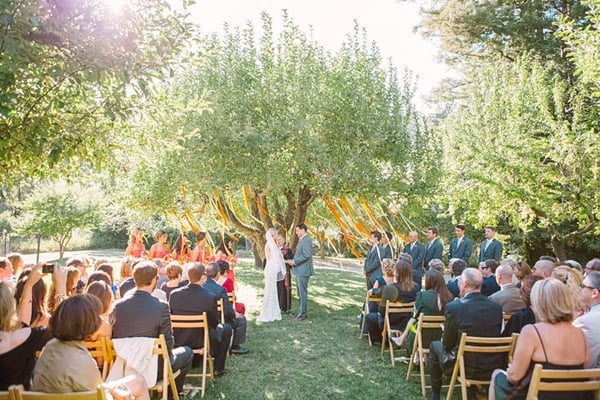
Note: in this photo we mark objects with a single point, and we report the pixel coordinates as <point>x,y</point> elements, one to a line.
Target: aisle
<point>320,358</point>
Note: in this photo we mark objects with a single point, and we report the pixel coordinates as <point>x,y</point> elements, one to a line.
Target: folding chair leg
<point>412,357</point>
<point>422,373</point>
<point>452,382</point>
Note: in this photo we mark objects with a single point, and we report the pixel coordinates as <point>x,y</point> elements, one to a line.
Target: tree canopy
<point>71,72</point>
<point>288,122</point>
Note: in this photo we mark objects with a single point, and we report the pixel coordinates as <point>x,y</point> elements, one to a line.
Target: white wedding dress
<point>275,266</point>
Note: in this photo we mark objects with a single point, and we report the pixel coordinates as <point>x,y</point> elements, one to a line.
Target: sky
<point>390,23</point>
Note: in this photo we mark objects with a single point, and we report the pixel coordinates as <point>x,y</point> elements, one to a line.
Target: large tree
<point>71,72</point>
<point>524,147</point>
<point>288,122</point>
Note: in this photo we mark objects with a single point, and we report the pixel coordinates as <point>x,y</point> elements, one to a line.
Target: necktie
<point>487,244</point>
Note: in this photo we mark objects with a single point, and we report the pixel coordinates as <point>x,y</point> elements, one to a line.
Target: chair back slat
<point>18,393</point>
<point>221,309</point>
<point>574,380</point>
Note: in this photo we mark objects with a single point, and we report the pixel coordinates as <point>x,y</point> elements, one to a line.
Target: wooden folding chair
<point>431,322</point>
<point>475,344</point>
<point>197,322</point>
<point>563,380</point>
<point>364,312</point>
<point>160,349</point>
<point>98,352</point>
<point>221,309</point>
<point>18,393</point>
<point>232,298</point>
<point>8,394</point>
<point>388,333</point>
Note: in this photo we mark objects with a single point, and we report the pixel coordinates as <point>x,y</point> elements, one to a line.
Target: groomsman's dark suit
<point>493,251</point>
<point>417,252</point>
<point>476,315</point>
<point>193,299</point>
<point>237,323</point>
<point>461,250</point>
<point>372,266</point>
<point>388,252</point>
<point>434,249</point>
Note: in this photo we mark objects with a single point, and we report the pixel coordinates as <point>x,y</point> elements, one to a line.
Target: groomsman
<point>386,245</point>
<point>416,250</point>
<point>460,247</point>
<point>434,248</point>
<point>490,249</point>
<point>372,266</point>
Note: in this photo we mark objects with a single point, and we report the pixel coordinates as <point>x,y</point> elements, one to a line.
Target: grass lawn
<point>320,358</point>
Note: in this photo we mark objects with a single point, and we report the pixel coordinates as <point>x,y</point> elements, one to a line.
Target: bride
<point>275,266</point>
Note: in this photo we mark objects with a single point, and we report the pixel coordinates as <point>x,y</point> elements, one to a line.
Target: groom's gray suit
<point>303,269</point>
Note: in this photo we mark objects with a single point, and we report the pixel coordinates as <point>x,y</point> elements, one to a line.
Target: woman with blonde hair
<point>553,342</point>
<point>135,247</point>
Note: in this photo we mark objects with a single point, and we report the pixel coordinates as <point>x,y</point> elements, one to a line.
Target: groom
<point>302,268</point>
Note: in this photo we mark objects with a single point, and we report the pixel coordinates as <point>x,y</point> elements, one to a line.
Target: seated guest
<point>103,292</point>
<point>224,280</point>
<point>543,268</point>
<point>98,276</point>
<point>140,314</point>
<point>431,301</point>
<point>232,317</point>
<point>457,266</point>
<point>436,264</point>
<point>589,323</point>
<point>553,342</point>
<point>39,314</point>
<point>521,270</point>
<point>525,315</point>
<point>404,290</point>
<point>509,296</point>
<point>476,315</point>
<point>193,299</point>
<point>18,341</point>
<point>71,284</point>
<point>488,269</point>
<point>66,365</point>
<point>6,269</point>
<point>592,265</point>
<point>16,259</point>
<point>109,269</point>
<point>79,263</point>
<point>387,268</point>
<point>174,272</point>
<point>127,281</point>
<point>573,279</point>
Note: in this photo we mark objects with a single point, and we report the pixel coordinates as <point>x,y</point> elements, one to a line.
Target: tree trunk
<point>558,246</point>
<point>305,198</point>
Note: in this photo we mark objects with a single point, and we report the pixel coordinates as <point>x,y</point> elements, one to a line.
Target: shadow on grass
<point>319,358</point>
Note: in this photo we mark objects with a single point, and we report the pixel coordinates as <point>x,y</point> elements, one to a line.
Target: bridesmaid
<point>135,247</point>
<point>161,248</point>
<point>181,249</point>
<point>202,252</point>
